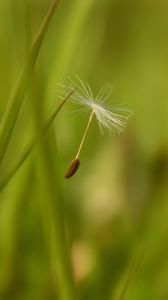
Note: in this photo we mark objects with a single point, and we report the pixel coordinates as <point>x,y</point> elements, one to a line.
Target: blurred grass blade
<point>70,37</point>
<point>130,275</point>
<point>8,173</point>
<point>17,97</point>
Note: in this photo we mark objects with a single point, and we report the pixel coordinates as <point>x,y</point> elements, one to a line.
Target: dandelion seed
<point>114,121</point>
<point>73,168</point>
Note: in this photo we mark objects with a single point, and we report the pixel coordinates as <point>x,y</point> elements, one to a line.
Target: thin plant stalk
<point>52,206</point>
<point>12,110</point>
<point>10,171</point>
<point>132,271</point>
<point>54,229</point>
<point>69,39</point>
<point>12,217</point>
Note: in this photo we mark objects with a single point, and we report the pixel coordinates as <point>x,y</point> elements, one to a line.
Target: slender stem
<point>132,271</point>
<point>52,205</point>
<point>85,133</point>
<point>9,171</point>
<point>14,104</point>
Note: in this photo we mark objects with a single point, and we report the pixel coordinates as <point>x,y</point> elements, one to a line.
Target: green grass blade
<point>131,274</point>
<point>8,173</point>
<point>17,97</point>
<point>70,37</point>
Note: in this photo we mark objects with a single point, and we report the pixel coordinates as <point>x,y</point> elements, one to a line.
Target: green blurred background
<point>117,204</point>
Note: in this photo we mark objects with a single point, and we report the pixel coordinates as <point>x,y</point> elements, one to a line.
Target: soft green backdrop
<point>116,206</point>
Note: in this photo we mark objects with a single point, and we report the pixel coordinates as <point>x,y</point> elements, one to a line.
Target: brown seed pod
<point>73,168</point>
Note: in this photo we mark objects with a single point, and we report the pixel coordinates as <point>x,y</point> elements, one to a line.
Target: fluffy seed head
<point>114,120</point>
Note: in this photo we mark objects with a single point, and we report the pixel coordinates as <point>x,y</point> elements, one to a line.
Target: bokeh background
<point>116,206</point>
